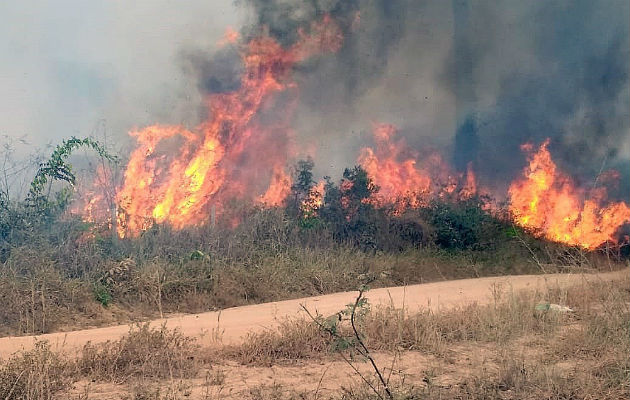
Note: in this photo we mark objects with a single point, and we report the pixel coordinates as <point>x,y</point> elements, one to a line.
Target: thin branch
<point>360,341</point>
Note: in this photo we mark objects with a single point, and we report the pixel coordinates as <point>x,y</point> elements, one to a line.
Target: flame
<point>175,174</point>
<point>94,201</point>
<point>314,200</point>
<point>393,167</point>
<point>229,37</point>
<point>407,180</point>
<point>470,183</point>
<point>546,201</point>
<point>279,188</point>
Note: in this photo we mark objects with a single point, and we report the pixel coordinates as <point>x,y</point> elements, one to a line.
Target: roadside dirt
<point>321,379</point>
<point>230,326</point>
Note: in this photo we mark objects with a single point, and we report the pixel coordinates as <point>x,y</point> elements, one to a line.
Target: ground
<point>476,365</point>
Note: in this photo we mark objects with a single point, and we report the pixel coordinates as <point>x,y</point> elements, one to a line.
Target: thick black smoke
<point>476,78</point>
<point>575,91</point>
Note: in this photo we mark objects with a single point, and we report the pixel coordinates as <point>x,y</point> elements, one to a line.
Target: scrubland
<point>510,349</point>
<point>59,272</point>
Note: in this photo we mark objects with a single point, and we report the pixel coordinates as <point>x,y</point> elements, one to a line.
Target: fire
<point>393,167</point>
<point>95,202</point>
<point>181,176</point>
<point>406,179</point>
<point>470,183</point>
<point>546,201</point>
<point>314,200</point>
<point>176,174</point>
<point>229,37</point>
<point>279,188</point>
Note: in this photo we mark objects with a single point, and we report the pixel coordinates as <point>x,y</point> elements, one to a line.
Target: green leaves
<point>57,169</point>
<point>102,294</point>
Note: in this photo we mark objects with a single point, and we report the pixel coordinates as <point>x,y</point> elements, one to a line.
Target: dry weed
<point>144,352</point>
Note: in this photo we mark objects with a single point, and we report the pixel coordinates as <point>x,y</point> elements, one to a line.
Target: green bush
<point>464,225</point>
<point>102,294</point>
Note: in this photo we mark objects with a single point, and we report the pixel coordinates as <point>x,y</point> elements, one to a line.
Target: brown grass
<point>581,355</point>
<point>513,352</point>
<point>143,353</point>
<point>392,329</point>
<point>37,374</point>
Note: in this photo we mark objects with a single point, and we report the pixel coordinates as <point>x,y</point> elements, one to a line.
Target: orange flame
<point>94,201</point>
<point>546,201</point>
<point>314,200</point>
<point>406,180</point>
<point>279,188</point>
<point>229,37</point>
<point>393,167</point>
<point>220,158</point>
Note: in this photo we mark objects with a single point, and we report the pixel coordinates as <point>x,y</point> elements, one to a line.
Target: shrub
<point>36,297</point>
<point>33,375</point>
<point>464,225</point>
<point>143,352</point>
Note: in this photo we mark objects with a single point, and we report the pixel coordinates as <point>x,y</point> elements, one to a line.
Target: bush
<point>464,225</point>
<point>33,375</point>
<point>144,352</point>
<point>35,295</point>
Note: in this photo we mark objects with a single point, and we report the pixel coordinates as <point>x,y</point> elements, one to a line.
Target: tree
<point>301,188</point>
<point>347,209</point>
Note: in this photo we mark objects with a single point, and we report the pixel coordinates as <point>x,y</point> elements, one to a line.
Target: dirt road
<point>231,325</point>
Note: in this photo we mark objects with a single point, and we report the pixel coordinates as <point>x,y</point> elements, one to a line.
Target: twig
<point>530,250</point>
<point>319,384</point>
<point>360,341</point>
<point>362,349</point>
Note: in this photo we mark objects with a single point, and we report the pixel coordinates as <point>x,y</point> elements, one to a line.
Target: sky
<point>76,67</point>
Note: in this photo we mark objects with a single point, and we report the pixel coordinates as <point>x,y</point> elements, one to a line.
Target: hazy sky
<point>67,65</point>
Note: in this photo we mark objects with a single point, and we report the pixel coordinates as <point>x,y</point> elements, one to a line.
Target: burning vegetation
<point>546,201</point>
<point>176,175</point>
<point>243,149</point>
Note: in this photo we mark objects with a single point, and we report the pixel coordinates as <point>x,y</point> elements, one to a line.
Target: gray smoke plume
<point>475,79</point>
<point>574,90</point>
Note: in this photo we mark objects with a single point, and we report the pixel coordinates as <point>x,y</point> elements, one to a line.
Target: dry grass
<point>392,329</point>
<point>37,374</point>
<point>581,355</point>
<point>143,353</point>
<point>45,289</point>
<point>513,352</point>
<point>37,298</point>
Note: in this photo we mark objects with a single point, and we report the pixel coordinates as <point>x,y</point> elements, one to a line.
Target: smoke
<point>73,67</point>
<point>474,78</point>
<point>571,84</point>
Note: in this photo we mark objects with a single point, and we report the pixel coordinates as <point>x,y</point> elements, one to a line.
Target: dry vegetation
<point>60,281</point>
<point>58,272</point>
<point>506,350</point>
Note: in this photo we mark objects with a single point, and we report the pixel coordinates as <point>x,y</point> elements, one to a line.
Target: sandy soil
<point>230,380</point>
<point>230,326</point>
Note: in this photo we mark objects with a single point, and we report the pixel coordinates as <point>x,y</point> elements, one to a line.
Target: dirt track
<point>231,325</point>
